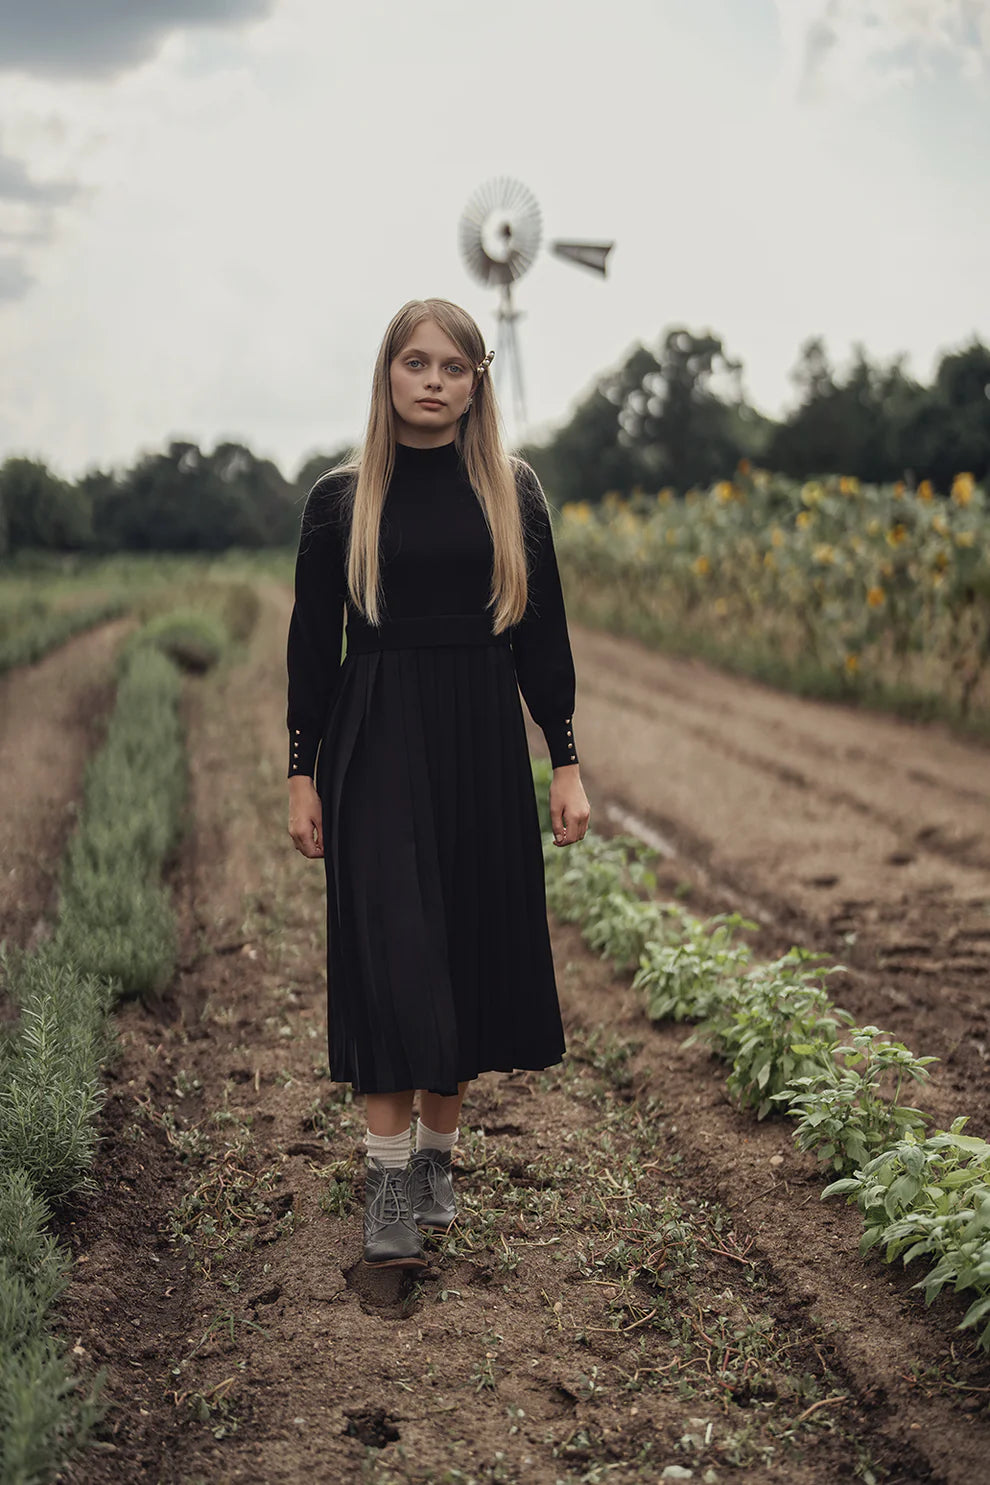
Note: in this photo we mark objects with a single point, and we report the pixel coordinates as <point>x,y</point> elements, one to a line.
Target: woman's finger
<point>307,836</point>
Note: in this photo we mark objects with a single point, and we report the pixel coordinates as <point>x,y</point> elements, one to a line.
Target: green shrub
<point>43,1418</point>
<point>115,917</point>
<point>234,605</point>
<point>115,933</point>
<point>49,1067</point>
<point>138,952</point>
<point>194,639</point>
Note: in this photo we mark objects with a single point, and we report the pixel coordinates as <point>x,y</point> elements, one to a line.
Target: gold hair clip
<point>480,370</point>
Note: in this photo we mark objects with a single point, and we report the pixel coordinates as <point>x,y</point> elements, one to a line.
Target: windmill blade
<point>500,231</point>
<point>589,254</point>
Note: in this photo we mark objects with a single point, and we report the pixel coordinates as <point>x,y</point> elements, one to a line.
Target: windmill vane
<point>500,233</point>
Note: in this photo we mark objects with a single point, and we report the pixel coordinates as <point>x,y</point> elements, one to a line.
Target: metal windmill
<point>500,234</point>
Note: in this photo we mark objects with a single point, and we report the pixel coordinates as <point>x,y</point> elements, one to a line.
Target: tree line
<point>674,416</point>
<point>182,500</point>
<point>670,415</point>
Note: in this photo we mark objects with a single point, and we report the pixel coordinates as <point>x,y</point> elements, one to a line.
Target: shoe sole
<point>397,1263</point>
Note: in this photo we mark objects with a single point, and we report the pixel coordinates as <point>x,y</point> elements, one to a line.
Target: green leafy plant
<point>624,927</point>
<point>684,981</point>
<point>930,1199</point>
<point>841,1111</point>
<point>585,886</point>
<point>775,1026</point>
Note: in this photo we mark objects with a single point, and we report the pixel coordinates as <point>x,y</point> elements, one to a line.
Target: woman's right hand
<point>305,816</point>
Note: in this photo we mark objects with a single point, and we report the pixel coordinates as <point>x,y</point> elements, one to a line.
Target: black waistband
<point>426,629</point>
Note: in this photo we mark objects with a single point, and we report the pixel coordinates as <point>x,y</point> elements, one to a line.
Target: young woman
<point>409,769</point>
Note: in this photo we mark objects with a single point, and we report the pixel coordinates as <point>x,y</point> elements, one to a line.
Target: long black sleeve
<point>540,642</point>
<point>317,623</point>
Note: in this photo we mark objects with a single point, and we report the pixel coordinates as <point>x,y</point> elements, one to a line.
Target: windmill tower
<point>500,232</point>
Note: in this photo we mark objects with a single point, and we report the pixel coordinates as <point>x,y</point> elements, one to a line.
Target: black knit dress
<point>439,964</point>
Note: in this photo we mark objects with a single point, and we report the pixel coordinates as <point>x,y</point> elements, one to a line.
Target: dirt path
<point>634,1285</point>
<point>850,832</point>
<point>51,716</point>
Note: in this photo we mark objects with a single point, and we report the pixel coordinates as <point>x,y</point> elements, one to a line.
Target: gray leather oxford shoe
<point>432,1189</point>
<point>391,1237</point>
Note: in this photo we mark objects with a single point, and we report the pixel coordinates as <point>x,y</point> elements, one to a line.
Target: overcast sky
<point>210,209</point>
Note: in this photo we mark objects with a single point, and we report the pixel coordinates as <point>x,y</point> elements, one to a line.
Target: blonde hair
<point>491,471</point>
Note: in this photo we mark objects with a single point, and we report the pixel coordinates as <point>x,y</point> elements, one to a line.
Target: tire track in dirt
<point>794,791</point>
<point>287,1359</point>
<point>52,715</point>
<point>857,834</point>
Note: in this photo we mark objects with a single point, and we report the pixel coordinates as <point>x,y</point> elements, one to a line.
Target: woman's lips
<point>429,402</point>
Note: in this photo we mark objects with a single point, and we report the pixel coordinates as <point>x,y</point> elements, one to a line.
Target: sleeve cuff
<point>303,747</point>
<point>560,742</point>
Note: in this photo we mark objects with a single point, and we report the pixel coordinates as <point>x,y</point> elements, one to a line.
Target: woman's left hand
<point>569,808</point>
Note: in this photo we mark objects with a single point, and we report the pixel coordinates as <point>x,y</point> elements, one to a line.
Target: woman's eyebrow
<point>412,350</point>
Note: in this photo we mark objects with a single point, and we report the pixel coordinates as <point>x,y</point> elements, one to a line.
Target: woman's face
<point>431,381</point>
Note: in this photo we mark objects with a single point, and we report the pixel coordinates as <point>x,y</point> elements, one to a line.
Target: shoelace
<point>386,1205</point>
<point>436,1178</point>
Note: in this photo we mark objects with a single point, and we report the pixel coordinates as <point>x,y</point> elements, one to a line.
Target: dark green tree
<point>176,502</point>
<point>671,416</point>
<point>316,464</point>
<point>107,494</point>
<point>267,515</point>
<point>41,510</point>
<point>880,424</point>
<point>960,417</point>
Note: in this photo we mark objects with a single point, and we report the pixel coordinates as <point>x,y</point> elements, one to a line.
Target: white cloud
<point>102,38</point>
<point>254,205</point>
<point>842,47</point>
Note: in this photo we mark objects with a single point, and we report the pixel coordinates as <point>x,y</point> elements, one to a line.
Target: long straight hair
<point>491,471</point>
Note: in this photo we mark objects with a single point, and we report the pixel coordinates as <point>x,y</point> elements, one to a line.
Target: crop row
<point>29,630</point>
<point>114,935</point>
<point>923,1196</point>
<point>830,585</point>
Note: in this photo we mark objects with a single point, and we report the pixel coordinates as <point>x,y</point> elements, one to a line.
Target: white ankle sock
<point>391,1149</point>
<point>429,1139</point>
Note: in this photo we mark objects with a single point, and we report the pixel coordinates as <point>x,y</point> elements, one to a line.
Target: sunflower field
<point>831,586</point>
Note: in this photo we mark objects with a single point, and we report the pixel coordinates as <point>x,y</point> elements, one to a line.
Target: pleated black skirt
<point>439,965</point>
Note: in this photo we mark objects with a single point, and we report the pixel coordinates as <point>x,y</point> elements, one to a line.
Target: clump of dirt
<point>372,1426</point>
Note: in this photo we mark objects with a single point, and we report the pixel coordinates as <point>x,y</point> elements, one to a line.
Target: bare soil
<point>856,834</point>
<point>713,1315</point>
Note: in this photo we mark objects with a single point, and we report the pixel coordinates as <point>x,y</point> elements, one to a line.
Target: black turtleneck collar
<point>440,460</point>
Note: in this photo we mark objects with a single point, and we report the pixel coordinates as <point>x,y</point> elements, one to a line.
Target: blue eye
<point>454,366</point>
